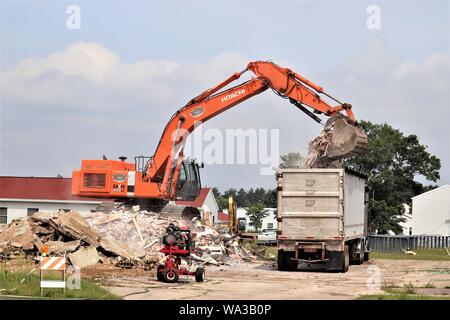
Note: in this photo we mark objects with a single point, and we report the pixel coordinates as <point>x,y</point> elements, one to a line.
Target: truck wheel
<point>284,261</point>
<point>171,276</point>
<point>361,255</point>
<point>200,274</point>
<point>291,265</point>
<point>366,256</point>
<point>281,260</point>
<point>346,259</point>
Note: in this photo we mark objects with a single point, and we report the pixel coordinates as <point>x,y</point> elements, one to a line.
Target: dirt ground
<point>261,280</point>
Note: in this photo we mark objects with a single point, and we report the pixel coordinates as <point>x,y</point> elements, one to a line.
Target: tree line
<point>247,198</point>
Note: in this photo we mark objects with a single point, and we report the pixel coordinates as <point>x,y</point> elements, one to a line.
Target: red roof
<point>39,188</point>
<point>221,216</point>
<point>198,202</point>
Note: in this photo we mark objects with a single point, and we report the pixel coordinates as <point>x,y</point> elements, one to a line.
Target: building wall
<point>407,225</point>
<point>431,212</point>
<point>268,222</point>
<point>18,209</point>
<point>212,205</point>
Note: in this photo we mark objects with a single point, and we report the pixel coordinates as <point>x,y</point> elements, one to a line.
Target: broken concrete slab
<point>18,235</point>
<point>3,227</point>
<point>60,247</point>
<point>40,230</point>
<point>120,248</point>
<point>84,257</point>
<point>44,216</point>
<point>73,225</point>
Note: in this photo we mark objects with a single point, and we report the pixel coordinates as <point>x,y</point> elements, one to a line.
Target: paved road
<point>262,281</point>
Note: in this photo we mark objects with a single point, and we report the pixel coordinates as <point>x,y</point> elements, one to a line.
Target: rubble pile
<point>318,149</point>
<point>123,238</point>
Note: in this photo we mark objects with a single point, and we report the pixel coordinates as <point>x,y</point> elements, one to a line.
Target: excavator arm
<point>160,175</point>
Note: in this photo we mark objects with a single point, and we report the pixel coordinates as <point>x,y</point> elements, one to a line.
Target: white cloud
<point>413,96</point>
<point>83,102</point>
<point>87,75</point>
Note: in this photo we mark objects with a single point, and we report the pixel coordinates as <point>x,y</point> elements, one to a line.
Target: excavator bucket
<point>344,139</point>
<point>339,139</point>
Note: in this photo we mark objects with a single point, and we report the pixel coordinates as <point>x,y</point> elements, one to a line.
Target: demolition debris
<point>123,238</point>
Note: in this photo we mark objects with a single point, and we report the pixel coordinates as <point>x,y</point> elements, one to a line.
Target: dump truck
<point>322,218</point>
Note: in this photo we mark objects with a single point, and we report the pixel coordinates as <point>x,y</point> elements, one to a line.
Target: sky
<point>110,86</point>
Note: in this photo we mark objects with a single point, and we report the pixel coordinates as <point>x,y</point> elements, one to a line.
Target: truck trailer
<point>322,218</point>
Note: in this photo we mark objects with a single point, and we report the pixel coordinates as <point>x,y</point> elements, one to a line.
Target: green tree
<point>260,194</point>
<point>241,198</point>
<point>291,160</point>
<point>256,213</point>
<point>216,192</point>
<point>222,202</point>
<point>270,199</point>
<point>392,163</point>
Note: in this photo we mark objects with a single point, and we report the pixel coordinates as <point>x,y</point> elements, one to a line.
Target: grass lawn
<point>262,251</point>
<point>30,287</point>
<point>431,254</point>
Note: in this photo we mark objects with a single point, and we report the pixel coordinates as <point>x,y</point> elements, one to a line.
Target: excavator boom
<point>168,176</point>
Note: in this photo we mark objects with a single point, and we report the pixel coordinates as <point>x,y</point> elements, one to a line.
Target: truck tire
<point>361,257</point>
<point>171,276</point>
<point>292,265</point>
<point>281,260</point>
<point>346,259</point>
<point>284,261</point>
<point>366,256</point>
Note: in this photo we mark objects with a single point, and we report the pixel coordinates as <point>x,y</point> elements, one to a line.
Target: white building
<point>407,227</point>
<point>431,212</point>
<point>204,201</point>
<point>269,222</point>
<point>22,196</point>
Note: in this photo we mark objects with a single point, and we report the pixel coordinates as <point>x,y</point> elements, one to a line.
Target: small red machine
<point>177,244</point>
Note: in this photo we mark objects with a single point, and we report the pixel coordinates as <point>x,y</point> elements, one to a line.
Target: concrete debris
<point>409,252</point>
<point>59,247</point>
<point>338,140</point>
<point>72,225</point>
<point>120,248</point>
<point>124,238</point>
<point>44,216</point>
<point>84,257</point>
<point>18,235</point>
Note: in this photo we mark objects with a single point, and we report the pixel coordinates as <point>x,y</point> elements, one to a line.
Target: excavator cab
<point>188,184</point>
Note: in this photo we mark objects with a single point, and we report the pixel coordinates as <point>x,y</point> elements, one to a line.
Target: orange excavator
<point>168,176</point>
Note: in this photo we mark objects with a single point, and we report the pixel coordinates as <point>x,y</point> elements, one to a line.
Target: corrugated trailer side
<point>355,216</point>
<point>310,203</point>
<point>321,218</point>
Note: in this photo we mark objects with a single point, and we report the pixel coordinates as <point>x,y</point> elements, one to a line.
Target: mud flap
<point>336,259</point>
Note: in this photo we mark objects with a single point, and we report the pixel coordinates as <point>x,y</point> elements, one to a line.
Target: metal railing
<point>391,243</point>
